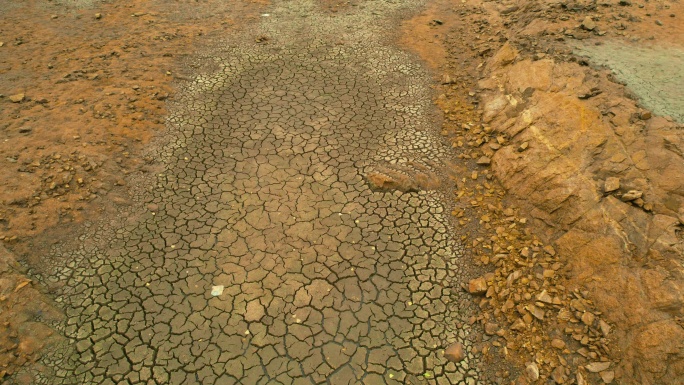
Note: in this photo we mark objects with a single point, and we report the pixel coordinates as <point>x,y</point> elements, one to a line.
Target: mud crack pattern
<point>325,280</point>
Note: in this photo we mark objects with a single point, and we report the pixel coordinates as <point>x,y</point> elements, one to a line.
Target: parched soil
<point>440,192</point>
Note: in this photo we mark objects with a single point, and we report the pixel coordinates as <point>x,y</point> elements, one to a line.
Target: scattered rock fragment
<point>477,286</point>
<point>389,179</point>
<point>380,181</point>
<point>491,328</point>
<point>550,250</point>
<point>22,285</point>
<point>611,184</point>
<point>608,376</point>
<point>526,252</point>
<point>605,328</point>
<point>580,379</point>
<point>588,24</point>
<point>588,318</point>
<point>455,352</point>
<point>484,161</point>
<point>596,367</point>
<point>17,98</point>
<point>631,195</point>
<point>536,312</point>
<point>558,343</point>
<point>98,16</point>
<point>544,297</point>
<point>217,290</point>
<point>532,371</point>
<point>519,324</point>
<point>558,375</point>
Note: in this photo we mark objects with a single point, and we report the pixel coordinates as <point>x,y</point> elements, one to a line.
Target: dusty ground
<point>83,90</point>
<point>594,165</point>
<point>563,182</point>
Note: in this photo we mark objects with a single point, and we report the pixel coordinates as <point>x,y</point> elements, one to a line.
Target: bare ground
<point>579,284</point>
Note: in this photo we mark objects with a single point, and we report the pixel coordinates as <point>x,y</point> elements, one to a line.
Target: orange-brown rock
<point>627,251</point>
<point>455,352</point>
<point>477,286</point>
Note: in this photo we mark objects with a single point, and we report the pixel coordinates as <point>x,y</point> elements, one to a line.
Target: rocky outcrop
<point>604,181</point>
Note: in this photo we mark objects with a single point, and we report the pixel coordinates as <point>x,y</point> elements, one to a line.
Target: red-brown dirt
<point>83,88</point>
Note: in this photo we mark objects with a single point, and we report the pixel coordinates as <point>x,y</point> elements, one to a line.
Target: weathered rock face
<point>625,242</point>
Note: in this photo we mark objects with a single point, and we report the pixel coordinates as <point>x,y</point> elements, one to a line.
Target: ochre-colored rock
<point>477,286</point>
<point>455,352</point>
<point>606,190</point>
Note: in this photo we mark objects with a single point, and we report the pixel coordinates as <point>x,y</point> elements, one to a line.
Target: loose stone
<point>596,367</point>
<point>455,352</point>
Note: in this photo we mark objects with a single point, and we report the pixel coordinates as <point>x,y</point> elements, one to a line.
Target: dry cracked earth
<point>264,253</point>
<point>341,192</point>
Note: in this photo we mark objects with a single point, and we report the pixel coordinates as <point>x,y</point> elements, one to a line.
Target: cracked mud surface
<point>296,175</point>
<point>260,189</point>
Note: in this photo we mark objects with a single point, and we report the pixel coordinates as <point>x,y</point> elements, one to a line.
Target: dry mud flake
<point>263,193</point>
